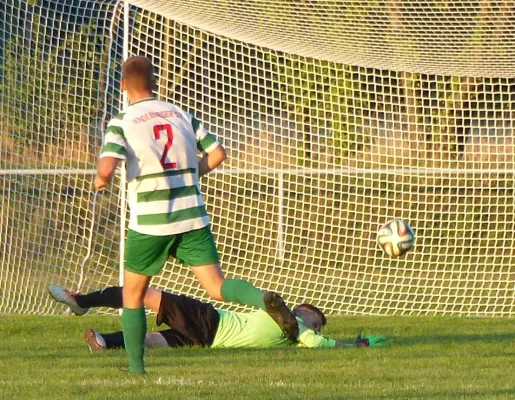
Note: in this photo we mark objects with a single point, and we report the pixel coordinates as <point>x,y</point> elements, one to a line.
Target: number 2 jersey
<point>159,144</point>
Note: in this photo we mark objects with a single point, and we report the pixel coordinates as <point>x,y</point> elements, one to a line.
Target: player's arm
<point>213,153</point>
<point>114,151</point>
<point>106,168</point>
<point>211,160</point>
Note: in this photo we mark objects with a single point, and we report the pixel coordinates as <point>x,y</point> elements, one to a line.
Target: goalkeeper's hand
<point>364,340</point>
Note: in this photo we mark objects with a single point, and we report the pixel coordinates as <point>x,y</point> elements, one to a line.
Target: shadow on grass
<point>453,339</point>
<point>452,394</point>
<point>199,352</point>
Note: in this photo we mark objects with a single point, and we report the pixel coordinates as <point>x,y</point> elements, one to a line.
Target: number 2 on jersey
<point>158,130</point>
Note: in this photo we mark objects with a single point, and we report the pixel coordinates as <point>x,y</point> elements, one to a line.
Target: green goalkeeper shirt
<point>254,329</point>
<point>257,329</point>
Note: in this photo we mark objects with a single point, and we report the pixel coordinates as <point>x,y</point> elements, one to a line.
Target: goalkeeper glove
<point>364,340</point>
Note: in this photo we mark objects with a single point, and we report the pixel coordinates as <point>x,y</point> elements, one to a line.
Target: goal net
<point>337,116</point>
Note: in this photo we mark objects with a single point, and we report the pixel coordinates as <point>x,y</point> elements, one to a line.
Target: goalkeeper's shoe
<point>364,340</point>
<point>61,295</point>
<point>282,315</point>
<point>94,340</point>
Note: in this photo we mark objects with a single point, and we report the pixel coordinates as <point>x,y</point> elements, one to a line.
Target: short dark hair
<point>316,310</point>
<point>138,73</point>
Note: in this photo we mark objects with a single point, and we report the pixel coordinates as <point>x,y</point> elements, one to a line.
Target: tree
<point>52,94</point>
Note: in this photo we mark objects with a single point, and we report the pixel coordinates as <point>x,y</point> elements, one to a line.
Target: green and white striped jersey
<point>159,143</point>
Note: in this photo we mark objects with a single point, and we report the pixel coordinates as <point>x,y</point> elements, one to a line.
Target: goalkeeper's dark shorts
<point>192,322</point>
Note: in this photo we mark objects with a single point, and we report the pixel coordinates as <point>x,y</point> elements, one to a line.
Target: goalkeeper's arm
<point>364,341</point>
<point>309,338</point>
<point>340,344</point>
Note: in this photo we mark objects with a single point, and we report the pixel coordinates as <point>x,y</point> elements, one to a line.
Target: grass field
<point>430,358</point>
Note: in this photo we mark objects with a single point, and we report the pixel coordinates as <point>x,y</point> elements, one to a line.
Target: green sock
<point>242,292</point>
<point>134,323</point>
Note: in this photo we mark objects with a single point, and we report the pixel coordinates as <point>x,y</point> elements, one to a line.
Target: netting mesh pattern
<point>337,116</point>
<point>56,91</point>
<point>461,38</point>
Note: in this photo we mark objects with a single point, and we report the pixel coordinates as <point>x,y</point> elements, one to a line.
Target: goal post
<point>337,116</point>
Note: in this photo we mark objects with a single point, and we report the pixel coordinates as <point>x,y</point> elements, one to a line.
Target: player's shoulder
<point>117,124</point>
<point>118,118</point>
<point>157,106</point>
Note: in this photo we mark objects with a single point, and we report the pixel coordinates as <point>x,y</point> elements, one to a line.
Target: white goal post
<point>337,116</point>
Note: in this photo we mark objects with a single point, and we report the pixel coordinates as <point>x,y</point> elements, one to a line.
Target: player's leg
<point>198,250</point>
<point>144,257</point>
<point>153,299</point>
<point>242,292</point>
<point>134,321</point>
<point>211,278</point>
<point>111,297</point>
<point>106,341</point>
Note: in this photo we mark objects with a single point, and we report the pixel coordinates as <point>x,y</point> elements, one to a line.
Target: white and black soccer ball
<point>396,237</point>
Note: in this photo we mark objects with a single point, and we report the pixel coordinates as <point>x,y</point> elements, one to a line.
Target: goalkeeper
<point>158,142</point>
<point>194,323</point>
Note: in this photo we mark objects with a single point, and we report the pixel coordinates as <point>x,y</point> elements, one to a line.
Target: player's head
<point>312,316</point>
<point>138,75</point>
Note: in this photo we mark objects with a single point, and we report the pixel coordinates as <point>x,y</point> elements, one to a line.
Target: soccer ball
<point>396,238</point>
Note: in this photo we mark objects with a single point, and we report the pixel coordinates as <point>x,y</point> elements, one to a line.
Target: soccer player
<point>193,323</point>
<point>158,142</point>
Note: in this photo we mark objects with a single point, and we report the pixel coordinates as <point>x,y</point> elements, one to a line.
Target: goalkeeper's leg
<point>61,295</point>
<point>106,341</point>
<point>111,297</point>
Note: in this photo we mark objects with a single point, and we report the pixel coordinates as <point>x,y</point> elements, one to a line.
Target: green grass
<point>431,358</point>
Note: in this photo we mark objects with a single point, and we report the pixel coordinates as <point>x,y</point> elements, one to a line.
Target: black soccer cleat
<point>282,315</point>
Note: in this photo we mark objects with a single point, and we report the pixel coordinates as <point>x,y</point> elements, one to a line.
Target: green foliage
<point>52,89</point>
<point>327,100</point>
<point>341,106</point>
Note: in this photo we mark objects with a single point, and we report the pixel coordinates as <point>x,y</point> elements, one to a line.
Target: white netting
<point>336,115</point>
<point>460,38</point>
<point>56,90</point>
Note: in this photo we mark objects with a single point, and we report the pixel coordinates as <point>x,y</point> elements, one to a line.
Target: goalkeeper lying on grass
<point>194,323</point>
